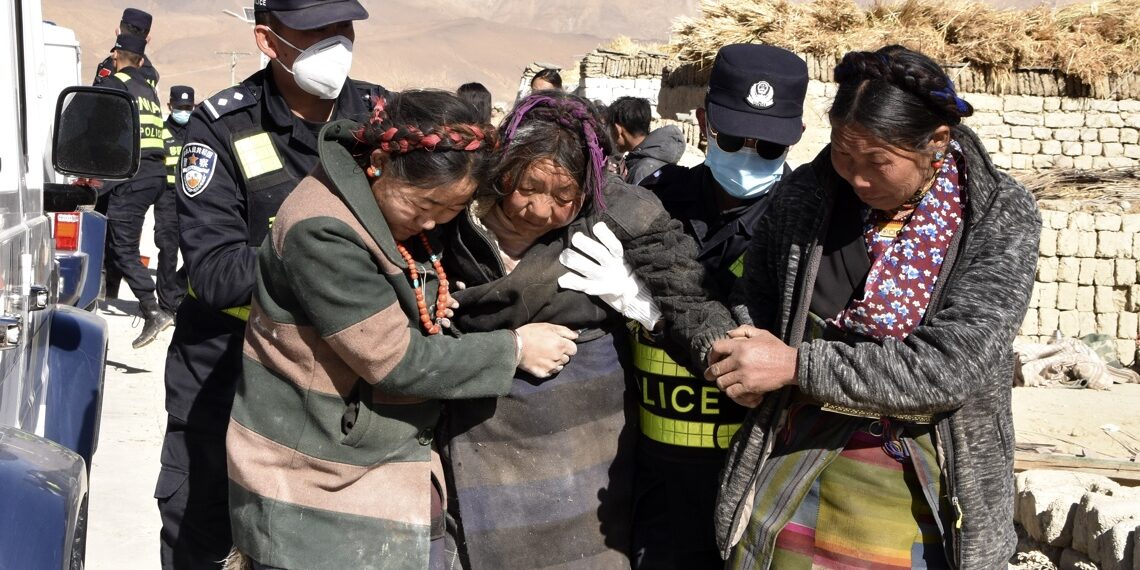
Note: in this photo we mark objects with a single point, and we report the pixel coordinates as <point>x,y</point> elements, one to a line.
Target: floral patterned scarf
<point>905,267</point>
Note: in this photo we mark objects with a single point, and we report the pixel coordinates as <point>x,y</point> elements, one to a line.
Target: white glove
<point>606,275</point>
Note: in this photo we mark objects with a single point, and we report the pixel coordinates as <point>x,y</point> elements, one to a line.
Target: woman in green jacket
<point>330,451</point>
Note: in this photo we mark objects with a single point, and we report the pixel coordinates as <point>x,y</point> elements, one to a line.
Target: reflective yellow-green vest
<point>677,408</point>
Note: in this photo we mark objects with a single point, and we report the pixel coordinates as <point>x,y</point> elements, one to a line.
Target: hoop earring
<point>372,172</point>
<point>937,162</point>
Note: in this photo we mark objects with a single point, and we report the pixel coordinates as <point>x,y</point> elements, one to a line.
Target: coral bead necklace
<point>442,299</point>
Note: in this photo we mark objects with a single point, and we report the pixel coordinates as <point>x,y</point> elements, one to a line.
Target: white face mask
<point>180,116</point>
<point>322,68</point>
<point>743,174</point>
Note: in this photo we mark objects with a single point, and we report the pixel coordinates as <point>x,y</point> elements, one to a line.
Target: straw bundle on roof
<point>1086,41</point>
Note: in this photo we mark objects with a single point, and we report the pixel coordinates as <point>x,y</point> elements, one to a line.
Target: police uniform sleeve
<point>105,69</point>
<point>213,238</point>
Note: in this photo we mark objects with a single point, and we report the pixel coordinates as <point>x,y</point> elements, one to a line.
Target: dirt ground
<point>1065,420</point>
<point>1069,421</point>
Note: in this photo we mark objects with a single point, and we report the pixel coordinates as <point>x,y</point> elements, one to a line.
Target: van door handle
<point>38,298</point>
<point>11,329</point>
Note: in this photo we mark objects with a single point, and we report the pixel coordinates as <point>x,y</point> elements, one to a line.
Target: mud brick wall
<point>1087,275</point>
<point>1029,119</point>
<point>606,75</point>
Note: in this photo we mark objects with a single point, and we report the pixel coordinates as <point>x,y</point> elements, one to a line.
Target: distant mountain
<point>638,19</point>
<point>405,43</point>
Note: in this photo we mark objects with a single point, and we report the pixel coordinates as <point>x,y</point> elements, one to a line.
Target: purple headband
<point>583,115</point>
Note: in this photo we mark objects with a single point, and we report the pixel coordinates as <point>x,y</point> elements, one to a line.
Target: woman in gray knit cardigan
<point>885,286</point>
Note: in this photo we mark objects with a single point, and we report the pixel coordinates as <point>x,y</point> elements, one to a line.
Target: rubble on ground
<point>1070,520</point>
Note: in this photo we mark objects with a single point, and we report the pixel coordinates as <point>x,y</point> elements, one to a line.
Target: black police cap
<point>312,14</point>
<point>130,43</point>
<point>181,95</point>
<point>757,91</point>
<point>137,18</point>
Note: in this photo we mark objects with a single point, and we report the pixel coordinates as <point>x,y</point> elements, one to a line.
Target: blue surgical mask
<point>180,116</point>
<point>743,174</point>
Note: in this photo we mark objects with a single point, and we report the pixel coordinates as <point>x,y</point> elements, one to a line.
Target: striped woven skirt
<point>543,477</point>
<point>837,497</point>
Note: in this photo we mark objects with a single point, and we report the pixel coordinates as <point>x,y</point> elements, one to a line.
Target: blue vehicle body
<point>43,519</point>
<point>77,358</point>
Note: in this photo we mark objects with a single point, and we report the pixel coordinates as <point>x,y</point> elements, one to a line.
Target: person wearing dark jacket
<point>885,286</point>
<point>170,288</point>
<point>135,23</point>
<point>543,477</point>
<point>751,116</point>
<point>128,201</point>
<point>645,151</point>
<point>246,148</point>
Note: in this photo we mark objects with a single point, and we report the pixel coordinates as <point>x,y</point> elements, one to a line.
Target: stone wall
<point>1024,132</point>
<point>606,75</point>
<point>1029,120</point>
<point>1087,274</point>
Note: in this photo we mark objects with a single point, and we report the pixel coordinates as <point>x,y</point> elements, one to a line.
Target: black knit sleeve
<point>665,258</point>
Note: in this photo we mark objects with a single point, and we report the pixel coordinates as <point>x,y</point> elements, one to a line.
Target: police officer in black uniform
<point>134,22</point>
<point>753,113</point>
<point>246,148</point>
<point>129,201</point>
<point>170,288</point>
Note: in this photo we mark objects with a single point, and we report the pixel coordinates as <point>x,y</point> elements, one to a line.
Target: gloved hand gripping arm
<point>598,267</point>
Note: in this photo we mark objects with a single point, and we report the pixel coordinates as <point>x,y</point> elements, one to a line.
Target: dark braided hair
<point>898,95</point>
<point>557,126</point>
<point>431,137</point>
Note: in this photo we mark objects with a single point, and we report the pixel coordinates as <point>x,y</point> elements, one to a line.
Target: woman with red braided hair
<point>543,477</point>
<point>330,453</point>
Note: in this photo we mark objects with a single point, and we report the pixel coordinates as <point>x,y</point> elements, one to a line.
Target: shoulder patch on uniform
<point>197,167</point>
<point>229,100</point>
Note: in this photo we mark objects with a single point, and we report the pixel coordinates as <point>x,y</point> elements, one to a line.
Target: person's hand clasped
<point>750,363</point>
<point>546,348</point>
<point>598,267</point>
<point>449,313</point>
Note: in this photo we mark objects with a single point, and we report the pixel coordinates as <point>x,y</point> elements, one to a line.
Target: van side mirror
<point>96,133</point>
